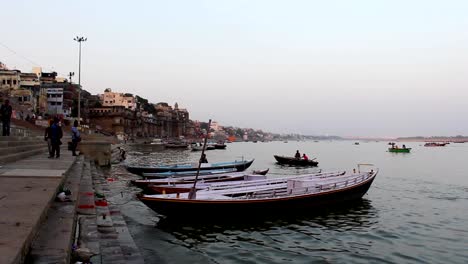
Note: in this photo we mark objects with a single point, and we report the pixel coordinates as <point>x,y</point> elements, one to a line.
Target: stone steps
<point>54,240</point>
<point>11,157</point>
<point>27,146</point>
<point>24,142</point>
<point>28,187</point>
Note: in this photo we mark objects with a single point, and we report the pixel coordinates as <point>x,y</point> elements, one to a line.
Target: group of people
<point>395,146</point>
<point>298,155</point>
<point>53,135</point>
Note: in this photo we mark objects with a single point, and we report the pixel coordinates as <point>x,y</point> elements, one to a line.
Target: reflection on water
<point>415,211</point>
<point>359,214</point>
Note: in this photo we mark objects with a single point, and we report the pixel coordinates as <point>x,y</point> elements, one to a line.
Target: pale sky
<point>347,68</point>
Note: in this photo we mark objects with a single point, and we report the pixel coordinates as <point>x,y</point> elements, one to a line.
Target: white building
<point>215,126</point>
<point>55,101</point>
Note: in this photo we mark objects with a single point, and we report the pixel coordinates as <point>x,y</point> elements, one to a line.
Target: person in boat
<point>304,157</point>
<point>298,155</point>
<point>404,146</point>
<point>203,158</point>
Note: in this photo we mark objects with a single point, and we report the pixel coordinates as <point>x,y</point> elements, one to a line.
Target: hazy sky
<point>348,68</point>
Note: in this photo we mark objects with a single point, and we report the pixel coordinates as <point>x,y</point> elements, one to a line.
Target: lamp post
<point>79,40</point>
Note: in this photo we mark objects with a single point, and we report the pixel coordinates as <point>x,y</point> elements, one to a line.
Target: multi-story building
<point>126,100</point>
<point>9,80</point>
<point>55,102</point>
<point>215,126</point>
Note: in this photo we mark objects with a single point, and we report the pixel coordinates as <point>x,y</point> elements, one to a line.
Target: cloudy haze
<point>348,68</point>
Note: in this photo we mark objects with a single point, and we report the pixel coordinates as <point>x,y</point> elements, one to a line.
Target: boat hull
<point>256,207</point>
<point>238,166</point>
<point>294,162</point>
<point>399,150</point>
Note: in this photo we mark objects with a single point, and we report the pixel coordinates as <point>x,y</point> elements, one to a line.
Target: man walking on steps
<point>55,136</point>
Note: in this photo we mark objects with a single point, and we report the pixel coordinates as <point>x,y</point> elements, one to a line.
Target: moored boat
<point>176,145</point>
<point>203,184</point>
<point>295,162</point>
<point>234,181</point>
<point>261,172</point>
<point>220,146</point>
<point>296,195</point>
<point>177,174</point>
<point>227,176</point>
<point>238,165</point>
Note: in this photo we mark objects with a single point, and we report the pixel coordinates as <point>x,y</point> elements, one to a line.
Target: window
<point>14,82</point>
<point>4,81</point>
<point>59,103</point>
<point>52,103</point>
<point>8,82</point>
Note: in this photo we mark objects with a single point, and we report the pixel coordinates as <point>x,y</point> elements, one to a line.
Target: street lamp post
<point>79,40</point>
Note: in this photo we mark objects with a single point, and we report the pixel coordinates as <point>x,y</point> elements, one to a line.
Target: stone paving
<point>27,188</point>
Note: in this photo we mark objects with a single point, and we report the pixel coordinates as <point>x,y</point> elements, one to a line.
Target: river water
<point>416,211</point>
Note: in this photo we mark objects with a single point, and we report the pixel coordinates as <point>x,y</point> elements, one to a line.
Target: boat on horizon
<point>435,144</point>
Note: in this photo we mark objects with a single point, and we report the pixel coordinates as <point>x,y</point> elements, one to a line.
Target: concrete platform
<point>27,188</point>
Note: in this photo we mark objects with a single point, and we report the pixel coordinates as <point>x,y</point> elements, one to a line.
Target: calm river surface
<point>416,211</point>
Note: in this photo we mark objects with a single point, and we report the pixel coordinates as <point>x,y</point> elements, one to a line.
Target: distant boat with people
<point>284,160</point>
<point>396,149</point>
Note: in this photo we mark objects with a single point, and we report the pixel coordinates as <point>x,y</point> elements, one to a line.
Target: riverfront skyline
<point>347,68</point>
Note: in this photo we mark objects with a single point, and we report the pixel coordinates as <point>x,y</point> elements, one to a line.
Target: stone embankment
<point>36,228</point>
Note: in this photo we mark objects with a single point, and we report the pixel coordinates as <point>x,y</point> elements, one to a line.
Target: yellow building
<point>110,98</point>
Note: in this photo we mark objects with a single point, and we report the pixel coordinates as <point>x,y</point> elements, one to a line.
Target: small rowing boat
<point>295,162</point>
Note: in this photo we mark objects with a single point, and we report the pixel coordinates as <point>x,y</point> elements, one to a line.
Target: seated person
<point>203,159</point>
<point>304,156</point>
<point>298,155</point>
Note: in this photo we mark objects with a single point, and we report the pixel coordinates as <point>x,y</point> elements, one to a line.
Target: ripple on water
<point>405,218</point>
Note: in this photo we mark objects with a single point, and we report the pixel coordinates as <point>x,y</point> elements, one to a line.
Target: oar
<point>193,192</point>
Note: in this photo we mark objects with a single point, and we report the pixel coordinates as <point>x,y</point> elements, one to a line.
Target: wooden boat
<point>176,174</point>
<point>399,150</point>
<point>204,184</point>
<point>261,172</point>
<point>295,162</point>
<point>235,180</point>
<point>196,147</point>
<point>220,146</point>
<point>176,145</point>
<point>238,165</point>
<point>213,176</point>
<point>434,144</point>
<point>231,176</point>
<point>210,147</point>
<point>261,199</point>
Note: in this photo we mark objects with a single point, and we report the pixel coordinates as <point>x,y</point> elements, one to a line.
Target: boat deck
<point>274,189</point>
